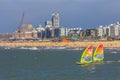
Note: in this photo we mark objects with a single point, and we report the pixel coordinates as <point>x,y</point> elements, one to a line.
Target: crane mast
<point>21,22</point>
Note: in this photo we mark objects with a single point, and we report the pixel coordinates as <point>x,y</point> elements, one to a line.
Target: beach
<point>61,44</point>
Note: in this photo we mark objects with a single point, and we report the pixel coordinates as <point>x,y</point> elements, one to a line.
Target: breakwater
<point>62,44</point>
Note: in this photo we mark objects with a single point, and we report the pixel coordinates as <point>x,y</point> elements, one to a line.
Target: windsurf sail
<point>86,56</point>
<point>99,53</point>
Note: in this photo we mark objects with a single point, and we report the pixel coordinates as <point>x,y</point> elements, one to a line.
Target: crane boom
<point>21,22</point>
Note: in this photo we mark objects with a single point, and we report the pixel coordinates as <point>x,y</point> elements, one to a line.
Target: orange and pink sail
<point>88,56</point>
<point>99,53</point>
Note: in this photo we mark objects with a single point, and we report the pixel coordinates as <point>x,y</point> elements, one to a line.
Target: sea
<point>56,64</point>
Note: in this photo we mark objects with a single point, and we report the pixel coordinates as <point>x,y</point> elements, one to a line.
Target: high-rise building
<point>105,31</point>
<point>48,24</point>
<point>40,31</point>
<point>48,33</point>
<point>63,31</point>
<point>109,30</point>
<point>100,31</point>
<point>114,30</point>
<point>116,27</point>
<point>55,20</point>
<point>56,32</point>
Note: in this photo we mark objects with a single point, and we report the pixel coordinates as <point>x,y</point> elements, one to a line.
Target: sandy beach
<point>69,44</point>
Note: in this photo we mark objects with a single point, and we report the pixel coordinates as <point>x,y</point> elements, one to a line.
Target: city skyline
<point>74,13</point>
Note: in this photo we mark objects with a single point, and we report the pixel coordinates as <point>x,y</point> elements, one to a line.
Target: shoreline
<point>109,44</point>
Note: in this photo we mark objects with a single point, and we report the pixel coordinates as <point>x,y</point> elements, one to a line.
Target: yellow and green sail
<point>99,53</point>
<point>86,56</point>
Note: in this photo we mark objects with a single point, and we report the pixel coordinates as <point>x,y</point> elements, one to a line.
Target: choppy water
<point>56,65</point>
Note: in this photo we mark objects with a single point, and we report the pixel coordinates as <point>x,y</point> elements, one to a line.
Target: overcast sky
<point>73,13</point>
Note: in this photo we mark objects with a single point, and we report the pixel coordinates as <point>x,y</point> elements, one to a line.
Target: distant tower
<point>55,20</point>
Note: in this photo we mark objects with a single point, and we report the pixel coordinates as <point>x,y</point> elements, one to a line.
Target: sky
<point>73,13</point>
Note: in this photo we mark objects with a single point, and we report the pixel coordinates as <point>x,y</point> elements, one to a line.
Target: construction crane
<point>21,22</point>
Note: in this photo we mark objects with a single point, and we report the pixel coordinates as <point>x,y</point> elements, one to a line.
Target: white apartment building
<point>100,31</point>
<point>105,31</point>
<point>55,20</point>
<point>63,31</point>
<point>114,30</point>
<point>48,24</point>
<point>40,28</point>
